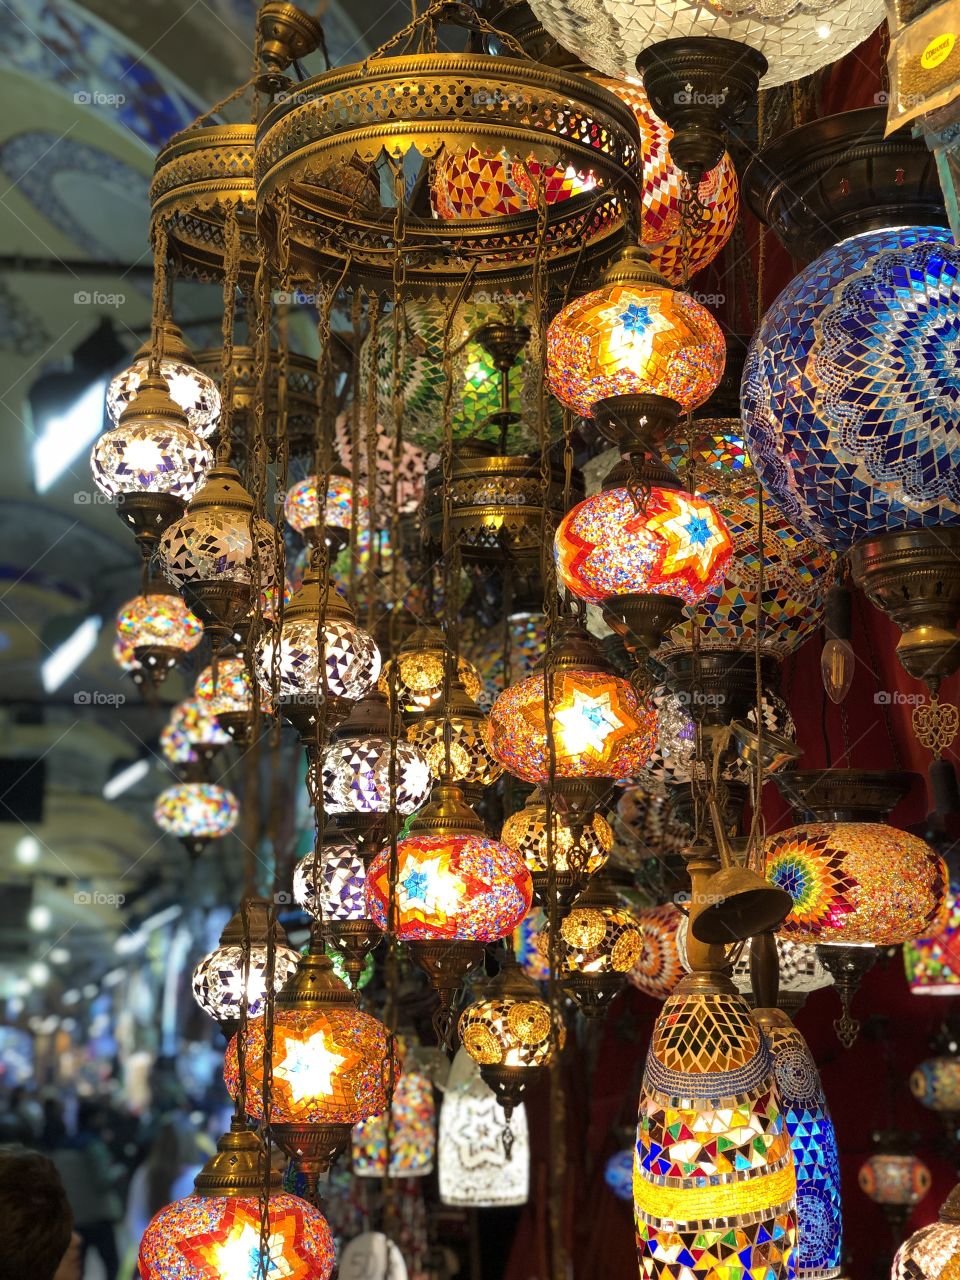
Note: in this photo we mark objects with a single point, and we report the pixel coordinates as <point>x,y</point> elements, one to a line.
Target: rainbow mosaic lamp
<point>215,1234</point>
<point>196,812</point>
<point>301,508</point>
<point>526,945</point>
<point>933,964</point>
<point>577,855</point>
<point>227,691</point>
<point>245,947</point>
<point>714,1178</point>
<point>192,736</point>
<point>412,1132</point>
<point>332,1065</point>
<point>188,386</point>
<point>158,629</point>
<point>658,968</point>
<point>932,1253</point>
<point>475,1168</point>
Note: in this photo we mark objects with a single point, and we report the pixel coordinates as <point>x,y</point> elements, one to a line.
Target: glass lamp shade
<point>462,887</point>
<point>474,1168</point>
<point>933,964</point>
<point>526,832</point>
<point>231,692</point>
<point>675,545</point>
<point>618,1174</point>
<point>894,1179</point>
<point>413,1133</point>
<point>794,566</point>
<point>372,1256</point>
<point>125,658</point>
<point>713,1174</point>
<point>330,1066</point>
<point>218,1238</point>
<point>420,675</point>
<point>150,456</point>
<point>302,506</point>
<point>526,643</point>
<point>658,968</point>
<point>814,1145</point>
<point>800,969</point>
<point>597,940</point>
<point>626,339</point>
<point>351,659</point>
<point>929,1254</point>
<point>857,882</point>
<point>507,1032</point>
<point>197,810</point>
<point>795,41</point>
<point>356,776</point>
<point>601,729</point>
<point>409,475</point>
<point>194,391</point>
<point>191,731</point>
<point>340,890</point>
<point>849,389</point>
<point>526,945</point>
<point>936,1084</point>
<point>473,185</point>
<point>218,979</point>
<point>471,763</point>
<point>215,540</point>
<point>158,620</point>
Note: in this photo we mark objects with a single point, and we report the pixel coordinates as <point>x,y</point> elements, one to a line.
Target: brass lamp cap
<point>237,1169</point>
<point>577,649</point>
<point>740,903</point>
<point>153,401</point>
<point>314,984</point>
<point>308,598</point>
<point>258,918</point>
<point>173,345</point>
<point>446,814</point>
<point>223,488</point>
<point>632,266</point>
<point>370,715</point>
<point>511,981</point>
<point>950,1209</point>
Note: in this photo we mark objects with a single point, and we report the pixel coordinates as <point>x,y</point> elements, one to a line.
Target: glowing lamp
<point>419,672</point>
<point>192,734</point>
<point>599,944</point>
<point>350,659</point>
<point>476,1169</point>
<point>576,854</point>
<point>196,812</point>
<point>302,509</point>
<point>194,392</point>
<point>412,1133</point>
<point>526,945</point>
<point>931,1252</point>
<point>936,1084</point>
<point>218,980</point>
<point>227,691</point>
<point>215,1234</point>
<point>618,1174</point>
<point>158,629</point>
<point>356,770</point>
<point>894,1179</point>
<point>933,964</point>
<point>337,892</point>
<point>658,967</point>
<point>464,744</point>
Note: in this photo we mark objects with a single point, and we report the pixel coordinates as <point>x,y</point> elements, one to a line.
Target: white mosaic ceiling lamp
<point>796,37</point>
<point>474,1168</point>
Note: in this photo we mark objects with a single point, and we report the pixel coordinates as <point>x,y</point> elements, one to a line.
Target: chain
<point>356,320</point>
<point>231,273</point>
<point>423,26</point>
<point>159,296</point>
<point>757,836</point>
<point>372,412</point>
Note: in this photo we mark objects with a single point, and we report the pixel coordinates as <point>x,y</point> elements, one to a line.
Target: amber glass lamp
<point>576,855</point>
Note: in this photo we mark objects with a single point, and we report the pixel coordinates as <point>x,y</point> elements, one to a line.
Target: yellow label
<point>938,50</point>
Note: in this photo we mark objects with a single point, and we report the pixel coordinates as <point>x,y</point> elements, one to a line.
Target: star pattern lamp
<point>158,629</point>
<point>475,1169</point>
<point>412,1133</point>
<point>215,1234</point>
<point>337,897</point>
<point>658,968</point>
<point>355,767</point>
<point>218,980</point>
<point>193,391</point>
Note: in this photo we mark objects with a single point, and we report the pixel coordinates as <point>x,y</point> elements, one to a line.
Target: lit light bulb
<point>836,668</point>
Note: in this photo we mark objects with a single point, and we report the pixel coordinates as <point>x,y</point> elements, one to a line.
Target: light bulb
<point>836,668</point>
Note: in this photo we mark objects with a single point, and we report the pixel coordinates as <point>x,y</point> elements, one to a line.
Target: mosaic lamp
<point>302,510</point>
<point>714,1179</point>
<point>599,944</point>
<point>227,691</point>
<point>894,1179</point>
<point>507,1029</point>
<point>412,1128</point>
<point>576,854</point>
<point>633,354</point>
<point>196,812</point>
<point>475,1169</point>
<point>355,767</point>
<point>193,391</point>
<point>526,944</point>
<point>419,671</point>
<point>159,630</point>
<point>813,1142</point>
<point>933,964</point>
<point>602,731</point>
<point>331,1064</point>
<point>329,884</point>
<point>456,891</point>
<point>468,759</point>
<point>350,659</point>
<point>936,1085</point>
<point>216,1233</point>
<point>244,947</point>
<point>659,967</point>
<point>931,1252</point>
<point>151,463</point>
<point>219,554</point>
<point>618,1174</point>
<point>192,735</point>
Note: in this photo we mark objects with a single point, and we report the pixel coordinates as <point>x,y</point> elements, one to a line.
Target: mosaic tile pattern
<point>150,457</point>
<point>351,660</point>
<point>857,882</point>
<point>218,1238</point>
<point>301,506</point>
<point>850,389</point>
<point>199,809</point>
<point>526,832</point>
<point>153,619</point>
<point>508,1032</point>
<point>932,1253</point>
<point>420,678</point>
<point>191,726</point>
<point>413,1133</point>
<point>526,645</point>
<point>800,970</point>
<point>189,387</point>
<point>815,1157</point>
<point>714,1185</point>
<point>470,759</point>
<point>330,1066</point>
<point>658,969</point>
<point>933,964</point>
<point>356,777</point>
<point>717,468</point>
<point>676,545</point>
<point>936,1084</point>
<point>795,36</point>
<point>230,690</point>
<point>526,945</point>
<point>600,727</point>
<point>894,1179</point>
<point>474,1168</point>
<point>632,340</point>
<point>216,542</point>
<point>218,980</point>
<point>339,895</point>
<point>596,940</point>
<point>461,887</point>
<point>410,474</point>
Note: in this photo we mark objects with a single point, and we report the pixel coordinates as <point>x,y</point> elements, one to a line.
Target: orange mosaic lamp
<point>599,944</point>
<point>332,1065</point>
<point>577,854</point>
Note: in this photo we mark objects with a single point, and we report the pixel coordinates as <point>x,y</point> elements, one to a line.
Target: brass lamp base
<point>642,620</point>
<point>446,964</point>
<point>738,904</point>
<point>576,799</point>
<point>721,686</point>
<point>148,514</point>
<point>156,661</point>
<point>354,939</point>
<point>220,606</point>
<point>567,884</point>
<point>593,992</point>
<point>303,714</point>
<point>637,424</point>
<point>914,577</point>
<point>313,1148</point>
<point>237,1169</point>
<point>844,795</point>
<point>849,965</point>
<point>510,1084</point>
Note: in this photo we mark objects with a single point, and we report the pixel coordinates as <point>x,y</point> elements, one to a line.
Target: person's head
<point>37,1219</point>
